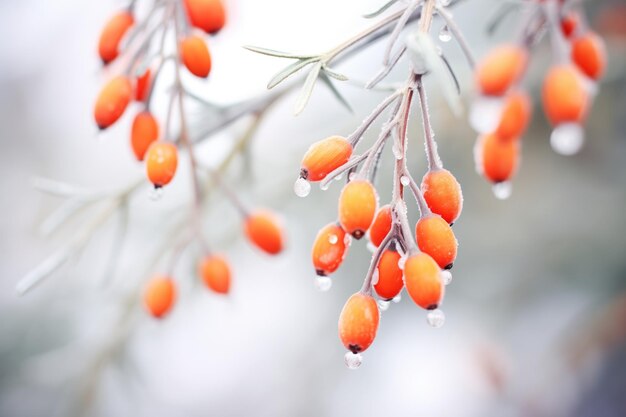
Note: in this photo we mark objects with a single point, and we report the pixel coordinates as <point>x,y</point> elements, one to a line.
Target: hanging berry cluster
<point>503,110</point>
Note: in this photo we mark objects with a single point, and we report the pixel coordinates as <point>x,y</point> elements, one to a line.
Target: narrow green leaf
<point>307,88</point>
<point>336,92</point>
<point>287,71</point>
<point>279,54</point>
<point>381,10</point>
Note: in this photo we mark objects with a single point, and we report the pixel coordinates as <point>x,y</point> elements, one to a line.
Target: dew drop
<point>444,3</point>
<point>332,239</point>
<point>324,186</point>
<point>446,277</point>
<point>444,34</point>
<point>397,299</point>
<point>485,114</point>
<point>502,190</point>
<point>396,152</point>
<point>353,360</point>
<point>435,318</point>
<point>567,138</point>
<point>347,240</point>
<point>155,193</point>
<point>301,187</point>
<point>405,180</point>
<point>323,284</point>
<point>383,305</point>
<point>401,262</point>
<point>339,177</point>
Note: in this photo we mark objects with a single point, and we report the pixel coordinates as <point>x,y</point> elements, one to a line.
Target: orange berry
<point>358,322</point>
<point>357,207</point>
<point>381,226</point>
<point>390,281</point>
<point>422,279</point>
<point>570,23</point>
<point>142,86</point>
<point>159,295</point>
<point>161,163</point>
<point>500,69</point>
<point>196,56</point>
<point>208,15</point>
<point>145,130</point>
<point>496,159</point>
<point>215,272</point>
<point>264,230</point>
<point>515,116</point>
<point>329,249</point>
<point>564,96</point>
<point>436,238</point>
<point>112,34</point>
<point>324,157</point>
<point>589,54</point>
<point>443,194</point>
<point>112,101</point>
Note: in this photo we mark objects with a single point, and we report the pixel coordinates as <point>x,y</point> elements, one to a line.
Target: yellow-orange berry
<point>159,295</point>
<point>564,96</point>
<point>358,322</point>
<point>589,54</point>
<point>329,249</point>
<point>145,130</point>
<point>196,56</point>
<point>381,226</point>
<point>357,207</point>
<point>422,279</point>
<point>215,273</point>
<point>324,157</point>
<point>500,69</point>
<point>208,15</point>
<point>443,194</point>
<point>497,159</point>
<point>515,116</point>
<point>161,163</point>
<point>112,101</point>
<point>142,85</point>
<point>390,281</point>
<point>264,231</point>
<point>112,34</point>
<point>436,238</point>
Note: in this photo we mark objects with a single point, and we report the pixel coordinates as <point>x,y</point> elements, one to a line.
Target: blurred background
<point>536,312</point>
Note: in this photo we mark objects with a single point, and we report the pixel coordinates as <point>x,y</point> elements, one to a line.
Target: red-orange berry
<point>161,163</point>
<point>443,194</point>
<point>589,54</point>
<point>264,231</point>
<point>497,159</point>
<point>208,15</point>
<point>215,273</point>
<point>358,322</point>
<point>500,69</point>
<point>390,281</point>
<point>324,157</point>
<point>564,96</point>
<point>516,113</point>
<point>422,279</point>
<point>436,238</point>
<point>145,130</point>
<point>112,34</point>
<point>381,226</point>
<point>159,295</point>
<point>329,249</point>
<point>570,23</point>
<point>142,85</point>
<point>112,101</point>
<point>196,56</point>
<point>357,207</point>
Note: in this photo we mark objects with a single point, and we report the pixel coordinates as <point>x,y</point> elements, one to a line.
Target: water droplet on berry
<point>435,318</point>
<point>155,193</point>
<point>301,187</point>
<point>383,305</point>
<point>397,299</point>
<point>405,180</point>
<point>446,277</point>
<point>323,284</point>
<point>485,114</point>
<point>502,190</point>
<point>333,238</point>
<point>567,138</point>
<point>353,360</point>
<point>444,34</point>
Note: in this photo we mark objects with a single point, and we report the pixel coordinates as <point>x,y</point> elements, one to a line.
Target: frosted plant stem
<point>434,162</point>
<point>458,35</point>
<point>367,283</point>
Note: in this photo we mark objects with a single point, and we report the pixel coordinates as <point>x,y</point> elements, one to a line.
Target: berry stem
<point>356,136</point>
<point>458,35</point>
<point>434,162</point>
<point>366,288</point>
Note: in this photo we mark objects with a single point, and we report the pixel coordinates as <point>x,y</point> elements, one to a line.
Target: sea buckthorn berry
<point>436,238</point>
<point>357,207</point>
<point>570,23</point>
<point>390,281</point>
<point>496,159</point>
<point>564,96</point>
<point>443,194</point>
<point>159,296</point>
<point>112,34</point>
<point>215,273</point>
<point>358,322</point>
<point>208,15</point>
<point>329,249</point>
<point>112,101</point>
<point>264,231</point>
<point>324,157</point>
<point>589,54</point>
<point>500,69</point>
<point>145,130</point>
<point>422,279</point>
<point>196,56</point>
<point>142,85</point>
<point>515,116</point>
<point>381,226</point>
<point>161,163</point>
